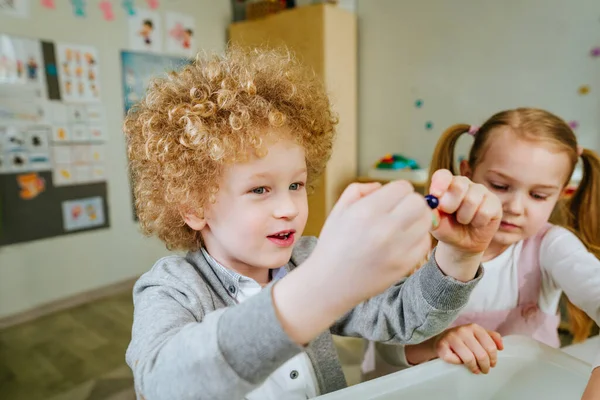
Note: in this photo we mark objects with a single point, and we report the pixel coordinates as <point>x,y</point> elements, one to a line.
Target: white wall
<point>468,59</point>
<point>42,271</point>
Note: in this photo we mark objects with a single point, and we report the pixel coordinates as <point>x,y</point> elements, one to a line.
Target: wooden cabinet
<point>324,37</point>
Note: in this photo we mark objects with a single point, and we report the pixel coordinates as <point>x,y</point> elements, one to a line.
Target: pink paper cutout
<point>106,7</point>
<point>48,4</point>
<point>153,4</point>
<point>177,32</point>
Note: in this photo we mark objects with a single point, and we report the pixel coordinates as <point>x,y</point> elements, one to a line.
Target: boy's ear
<point>465,169</point>
<point>194,220</point>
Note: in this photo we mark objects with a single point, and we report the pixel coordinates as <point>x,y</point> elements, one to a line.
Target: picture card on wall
<point>137,69</point>
<point>60,133</point>
<point>78,73</point>
<point>24,149</point>
<point>38,148</point>
<point>58,113</point>
<point>79,132</point>
<point>98,173</point>
<point>180,29</point>
<point>97,132</point>
<point>145,31</point>
<point>77,114</point>
<point>95,113</point>
<point>61,154</point>
<point>15,111</point>
<point>63,175</point>
<point>77,164</point>
<point>83,213</point>
<point>21,68</point>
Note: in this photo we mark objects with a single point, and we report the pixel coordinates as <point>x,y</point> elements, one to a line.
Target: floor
<point>71,355</point>
<point>79,354</point>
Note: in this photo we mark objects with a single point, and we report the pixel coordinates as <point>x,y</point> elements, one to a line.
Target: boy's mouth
<point>283,238</point>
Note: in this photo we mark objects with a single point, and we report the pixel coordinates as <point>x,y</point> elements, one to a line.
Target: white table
<point>587,351</point>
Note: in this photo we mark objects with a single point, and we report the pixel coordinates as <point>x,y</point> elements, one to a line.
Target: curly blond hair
<point>216,111</point>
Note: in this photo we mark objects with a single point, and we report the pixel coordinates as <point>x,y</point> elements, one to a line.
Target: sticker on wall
<point>429,125</point>
<point>153,4</point>
<point>129,6</point>
<point>595,52</point>
<point>180,34</point>
<point>83,213</point>
<point>31,185</point>
<point>107,10</point>
<point>78,8</point>
<point>48,4</point>
<point>15,8</point>
<point>418,103</point>
<point>584,89</point>
<point>145,31</point>
<point>78,73</point>
<point>573,124</point>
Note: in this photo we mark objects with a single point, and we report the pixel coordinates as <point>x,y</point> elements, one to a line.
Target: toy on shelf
<point>396,161</point>
<point>396,166</point>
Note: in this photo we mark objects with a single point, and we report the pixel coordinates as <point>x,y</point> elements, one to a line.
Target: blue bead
<point>432,201</point>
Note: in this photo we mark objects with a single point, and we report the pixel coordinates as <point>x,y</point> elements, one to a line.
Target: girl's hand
<point>469,216</point>
<point>469,213</point>
<point>470,345</point>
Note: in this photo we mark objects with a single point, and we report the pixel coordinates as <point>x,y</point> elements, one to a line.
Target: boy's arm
<point>178,353</point>
<point>411,311</point>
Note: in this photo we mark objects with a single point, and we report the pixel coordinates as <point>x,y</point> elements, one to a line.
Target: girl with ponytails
<point>547,244</point>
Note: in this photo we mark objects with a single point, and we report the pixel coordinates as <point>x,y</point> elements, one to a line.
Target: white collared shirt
<point>295,379</point>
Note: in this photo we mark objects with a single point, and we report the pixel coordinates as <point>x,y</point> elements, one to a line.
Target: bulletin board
<point>109,27</point>
<point>53,152</point>
<point>52,140</point>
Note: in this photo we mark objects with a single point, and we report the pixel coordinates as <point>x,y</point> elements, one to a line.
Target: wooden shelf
<point>322,36</point>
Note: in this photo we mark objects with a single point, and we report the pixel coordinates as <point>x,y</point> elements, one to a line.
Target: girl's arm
<point>592,391</point>
<point>573,269</point>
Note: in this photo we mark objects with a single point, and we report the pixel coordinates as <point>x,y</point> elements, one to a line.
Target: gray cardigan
<point>190,340</point>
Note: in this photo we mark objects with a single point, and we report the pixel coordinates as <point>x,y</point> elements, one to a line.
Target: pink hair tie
<point>473,129</point>
<point>579,150</point>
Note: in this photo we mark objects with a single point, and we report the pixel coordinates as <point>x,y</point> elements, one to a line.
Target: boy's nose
<point>286,208</point>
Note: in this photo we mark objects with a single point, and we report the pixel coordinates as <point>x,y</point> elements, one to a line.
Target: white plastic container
<point>526,370</point>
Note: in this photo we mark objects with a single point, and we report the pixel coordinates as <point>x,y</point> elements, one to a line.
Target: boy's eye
<point>259,190</point>
<point>296,186</point>
<point>537,196</point>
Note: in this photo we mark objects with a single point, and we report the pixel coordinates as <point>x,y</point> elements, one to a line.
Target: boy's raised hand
<point>375,235</point>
